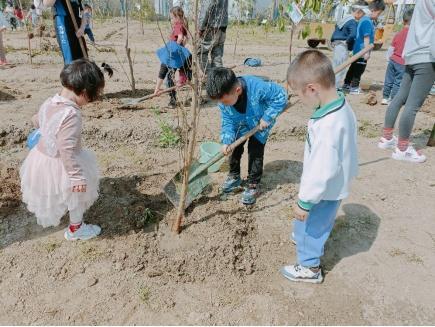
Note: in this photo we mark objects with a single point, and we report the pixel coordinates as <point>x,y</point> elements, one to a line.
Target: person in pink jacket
<point>58,175</point>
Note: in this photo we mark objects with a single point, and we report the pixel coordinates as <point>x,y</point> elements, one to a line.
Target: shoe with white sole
<point>292,238</point>
<point>85,232</point>
<point>410,154</point>
<point>387,144</point>
<point>298,273</point>
<point>355,91</point>
<point>385,102</point>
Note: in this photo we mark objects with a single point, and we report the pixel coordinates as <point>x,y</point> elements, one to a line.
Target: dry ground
<point>223,267</point>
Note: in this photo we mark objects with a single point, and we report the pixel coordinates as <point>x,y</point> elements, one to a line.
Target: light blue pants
<point>312,234</point>
<point>340,56</point>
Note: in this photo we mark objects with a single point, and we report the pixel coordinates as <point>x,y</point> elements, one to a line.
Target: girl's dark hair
<point>32,7</point>
<point>220,81</point>
<point>83,76</point>
<point>407,15</point>
<point>178,12</point>
<point>377,5</point>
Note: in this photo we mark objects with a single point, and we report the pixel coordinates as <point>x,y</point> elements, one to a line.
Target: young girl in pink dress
<point>58,175</point>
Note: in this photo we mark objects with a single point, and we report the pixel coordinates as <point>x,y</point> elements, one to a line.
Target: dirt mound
<point>13,135</point>
<point>10,194</point>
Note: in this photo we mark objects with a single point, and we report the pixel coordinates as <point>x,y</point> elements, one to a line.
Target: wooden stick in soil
<point>431,141</point>
<point>128,51</point>
<point>76,28</point>
<point>29,44</point>
<point>176,226</point>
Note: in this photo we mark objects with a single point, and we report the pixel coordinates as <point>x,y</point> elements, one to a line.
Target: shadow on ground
<point>353,233</point>
<point>128,94</point>
<point>6,96</point>
<point>121,207</point>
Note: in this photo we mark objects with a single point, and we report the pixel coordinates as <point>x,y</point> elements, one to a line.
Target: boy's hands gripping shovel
<point>198,175</point>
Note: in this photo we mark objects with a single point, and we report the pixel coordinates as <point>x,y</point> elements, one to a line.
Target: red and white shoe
<point>410,154</point>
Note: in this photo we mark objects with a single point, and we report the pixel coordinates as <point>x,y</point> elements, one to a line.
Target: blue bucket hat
<point>173,55</point>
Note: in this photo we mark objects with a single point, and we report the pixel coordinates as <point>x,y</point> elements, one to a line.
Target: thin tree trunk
<point>291,40</point>
<point>128,51</point>
<point>190,146</point>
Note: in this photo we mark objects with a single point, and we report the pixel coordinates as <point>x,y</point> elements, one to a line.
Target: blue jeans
<point>312,234</point>
<point>393,78</point>
<point>89,33</point>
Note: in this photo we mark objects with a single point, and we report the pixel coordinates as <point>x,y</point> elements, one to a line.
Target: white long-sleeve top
<point>331,154</point>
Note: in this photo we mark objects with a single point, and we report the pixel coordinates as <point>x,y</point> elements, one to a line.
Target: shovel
<point>127,102</point>
<point>198,175</point>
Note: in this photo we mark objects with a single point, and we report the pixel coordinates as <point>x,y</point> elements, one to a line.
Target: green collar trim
<point>329,107</point>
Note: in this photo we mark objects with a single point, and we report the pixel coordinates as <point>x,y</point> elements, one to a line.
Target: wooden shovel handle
<point>76,28</point>
<point>354,58</point>
<point>338,69</point>
<point>220,155</point>
<point>244,138</point>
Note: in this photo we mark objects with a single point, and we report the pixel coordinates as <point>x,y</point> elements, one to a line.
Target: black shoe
<point>172,103</point>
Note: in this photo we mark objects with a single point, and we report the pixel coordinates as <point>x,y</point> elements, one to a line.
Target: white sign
<point>295,13</point>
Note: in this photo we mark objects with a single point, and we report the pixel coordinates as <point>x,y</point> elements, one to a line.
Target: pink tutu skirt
<point>47,189</point>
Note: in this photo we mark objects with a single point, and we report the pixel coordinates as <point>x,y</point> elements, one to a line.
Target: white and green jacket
<point>331,154</point>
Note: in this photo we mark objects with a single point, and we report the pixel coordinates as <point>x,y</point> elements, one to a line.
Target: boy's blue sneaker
<point>231,184</point>
<point>250,194</point>
<point>298,273</point>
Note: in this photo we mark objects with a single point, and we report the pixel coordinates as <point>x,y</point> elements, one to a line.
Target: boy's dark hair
<point>311,66</point>
<point>83,76</point>
<point>16,7</point>
<point>377,5</point>
<point>407,15</point>
<point>86,5</point>
<point>220,81</point>
<point>32,7</point>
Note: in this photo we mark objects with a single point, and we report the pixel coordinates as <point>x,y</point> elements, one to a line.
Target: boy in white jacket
<point>330,161</point>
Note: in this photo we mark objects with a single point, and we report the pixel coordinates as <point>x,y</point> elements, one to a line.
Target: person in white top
<point>330,162</point>
<point>58,175</point>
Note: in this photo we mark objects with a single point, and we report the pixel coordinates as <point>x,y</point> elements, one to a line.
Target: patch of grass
<point>368,129</point>
<point>169,138</point>
<point>89,251</point>
<point>50,246</point>
<point>144,294</point>
<point>143,217</point>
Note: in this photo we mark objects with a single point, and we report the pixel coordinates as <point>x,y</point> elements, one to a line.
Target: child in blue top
<point>342,41</point>
<point>365,35</point>
<point>245,102</point>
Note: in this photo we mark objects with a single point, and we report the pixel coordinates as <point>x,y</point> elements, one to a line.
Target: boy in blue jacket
<point>245,102</point>
<point>365,35</point>
<point>342,41</point>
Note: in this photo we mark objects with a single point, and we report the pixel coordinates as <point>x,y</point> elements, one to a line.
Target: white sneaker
<point>355,91</point>
<point>85,232</point>
<point>387,144</point>
<point>292,238</point>
<point>410,154</point>
<point>298,273</point>
<point>385,102</point>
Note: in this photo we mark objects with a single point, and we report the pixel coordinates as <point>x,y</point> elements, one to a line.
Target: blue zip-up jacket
<point>345,32</point>
<point>265,100</point>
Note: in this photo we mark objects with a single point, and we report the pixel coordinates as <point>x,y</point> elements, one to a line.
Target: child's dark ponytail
<point>377,5</point>
<point>83,77</point>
